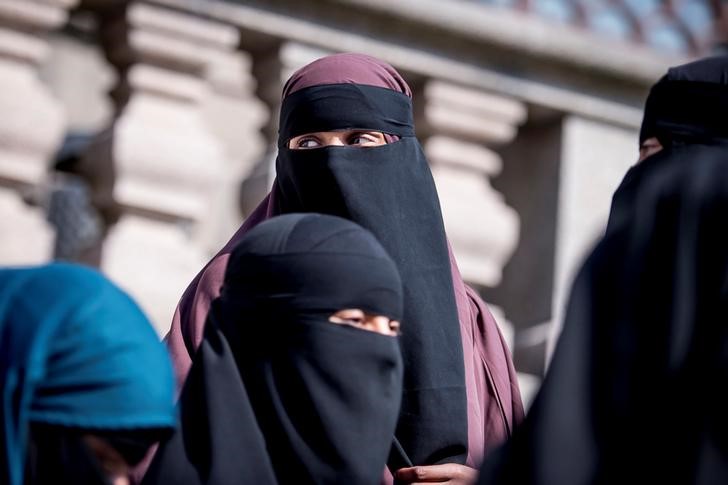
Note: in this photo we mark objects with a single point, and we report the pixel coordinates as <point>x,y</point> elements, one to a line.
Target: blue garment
<point>75,351</point>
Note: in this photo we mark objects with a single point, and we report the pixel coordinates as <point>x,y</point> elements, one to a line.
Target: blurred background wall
<point>136,135</point>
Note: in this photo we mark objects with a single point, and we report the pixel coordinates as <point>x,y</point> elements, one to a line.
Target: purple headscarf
<point>493,399</point>
<point>347,68</point>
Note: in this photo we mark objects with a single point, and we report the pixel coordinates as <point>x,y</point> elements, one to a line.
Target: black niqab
<point>634,392</point>
<point>58,455</point>
<point>688,104</point>
<point>388,190</point>
<point>277,393</point>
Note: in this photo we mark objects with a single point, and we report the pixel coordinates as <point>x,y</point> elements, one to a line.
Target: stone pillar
<point>169,164</point>
<point>530,181</point>
<point>273,64</point>
<point>31,125</point>
<point>265,65</point>
<point>236,116</point>
<point>459,126</point>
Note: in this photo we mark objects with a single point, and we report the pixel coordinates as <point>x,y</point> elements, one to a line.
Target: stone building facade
<point>158,119</point>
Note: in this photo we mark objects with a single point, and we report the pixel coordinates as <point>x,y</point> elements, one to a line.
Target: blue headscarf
<point>77,352</point>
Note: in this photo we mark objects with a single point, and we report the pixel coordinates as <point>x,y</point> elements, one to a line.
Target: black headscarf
<point>689,103</point>
<point>686,106</point>
<point>634,391</point>
<point>389,190</point>
<point>277,393</point>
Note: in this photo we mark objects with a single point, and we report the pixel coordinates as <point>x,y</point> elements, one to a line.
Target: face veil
<point>686,106</point>
<point>389,190</point>
<point>277,393</point>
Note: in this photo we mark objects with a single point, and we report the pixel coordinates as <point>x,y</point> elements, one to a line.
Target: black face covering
<point>277,393</point>
<point>686,107</point>
<point>57,455</point>
<point>388,190</point>
<point>633,393</point>
<point>688,104</point>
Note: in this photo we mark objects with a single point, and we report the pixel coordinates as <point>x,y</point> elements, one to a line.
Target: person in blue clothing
<point>86,384</point>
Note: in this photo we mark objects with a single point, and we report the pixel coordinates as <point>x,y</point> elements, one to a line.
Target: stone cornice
<point>529,35</point>
<point>558,68</point>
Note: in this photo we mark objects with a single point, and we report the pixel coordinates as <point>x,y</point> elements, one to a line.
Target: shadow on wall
<point>530,184</point>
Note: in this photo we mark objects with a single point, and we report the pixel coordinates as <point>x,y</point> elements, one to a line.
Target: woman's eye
<point>308,143</point>
<point>364,139</point>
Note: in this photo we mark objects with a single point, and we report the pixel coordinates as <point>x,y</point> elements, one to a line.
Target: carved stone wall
<point>459,125</point>
<point>31,126</point>
<point>559,175</point>
<point>170,164</point>
<point>528,129</point>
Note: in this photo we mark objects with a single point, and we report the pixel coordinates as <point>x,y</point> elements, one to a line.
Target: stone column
<point>31,125</point>
<point>235,115</point>
<point>169,163</point>
<point>460,126</point>
<point>273,63</point>
<point>266,68</point>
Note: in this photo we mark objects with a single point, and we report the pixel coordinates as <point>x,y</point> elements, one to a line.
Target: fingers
<point>446,473</point>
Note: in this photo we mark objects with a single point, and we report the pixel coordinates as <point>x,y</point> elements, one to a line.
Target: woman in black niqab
<point>277,393</point>
<point>687,106</point>
<point>633,393</point>
<point>460,392</point>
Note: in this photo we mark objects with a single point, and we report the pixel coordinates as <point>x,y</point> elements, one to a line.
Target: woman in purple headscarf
<point>347,148</point>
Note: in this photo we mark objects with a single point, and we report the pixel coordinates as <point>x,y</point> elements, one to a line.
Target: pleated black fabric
<point>634,392</point>
<point>389,190</point>
<point>277,393</point>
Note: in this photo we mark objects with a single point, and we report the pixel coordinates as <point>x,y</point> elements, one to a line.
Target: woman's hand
<point>451,473</point>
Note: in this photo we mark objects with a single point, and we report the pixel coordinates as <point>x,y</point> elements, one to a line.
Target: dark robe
<point>461,390</point>
<point>277,393</point>
<point>633,393</point>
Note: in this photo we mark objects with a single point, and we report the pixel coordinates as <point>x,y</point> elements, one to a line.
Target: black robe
<point>277,393</point>
<point>634,391</point>
<point>388,190</point>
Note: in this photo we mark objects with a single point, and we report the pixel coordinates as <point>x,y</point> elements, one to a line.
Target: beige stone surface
<point>472,114</point>
<point>235,116</point>
<point>25,236</point>
<point>595,158</point>
<point>167,159</point>
<point>172,170</point>
<point>31,126</point>
<point>154,261</point>
<point>79,77</point>
<point>415,44</point>
<point>482,229</point>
